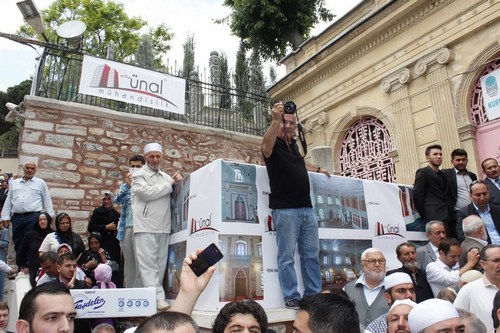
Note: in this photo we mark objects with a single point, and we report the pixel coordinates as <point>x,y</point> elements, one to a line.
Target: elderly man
<point>477,296</point>
<point>398,286</point>
<point>27,197</point>
<point>367,291</point>
<point>435,232</point>
<point>445,272</point>
<point>406,254</point>
<point>397,318</point>
<point>476,237</point>
<point>151,190</point>
<point>492,179</point>
<point>481,206</point>
<point>435,316</point>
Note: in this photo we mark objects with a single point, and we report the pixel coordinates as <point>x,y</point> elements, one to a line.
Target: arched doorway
<point>364,151</point>
<point>488,131</point>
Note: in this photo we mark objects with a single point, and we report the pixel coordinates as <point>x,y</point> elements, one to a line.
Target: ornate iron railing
<point>206,104</point>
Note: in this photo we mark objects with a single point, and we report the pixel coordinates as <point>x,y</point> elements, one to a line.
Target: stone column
<point>433,66</point>
<point>406,153</point>
<point>322,157</point>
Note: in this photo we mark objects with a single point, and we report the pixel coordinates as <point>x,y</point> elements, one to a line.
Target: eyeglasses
<point>372,262</point>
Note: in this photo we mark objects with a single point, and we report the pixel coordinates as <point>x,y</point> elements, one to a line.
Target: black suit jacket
<point>471,210</point>
<point>431,195</point>
<point>451,179</point>
<point>494,192</point>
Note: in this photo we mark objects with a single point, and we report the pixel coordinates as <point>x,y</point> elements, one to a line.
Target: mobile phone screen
<point>208,257</point>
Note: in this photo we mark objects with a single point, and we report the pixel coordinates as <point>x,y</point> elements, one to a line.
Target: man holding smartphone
<point>125,232</point>
<point>292,212</point>
<point>151,190</point>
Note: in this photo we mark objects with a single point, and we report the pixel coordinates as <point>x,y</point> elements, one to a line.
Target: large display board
<point>226,203</point>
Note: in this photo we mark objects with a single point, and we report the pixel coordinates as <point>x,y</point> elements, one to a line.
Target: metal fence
<point>9,152</point>
<point>206,104</point>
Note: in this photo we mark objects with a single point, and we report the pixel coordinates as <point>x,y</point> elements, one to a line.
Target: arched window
<point>477,111</point>
<point>364,151</point>
<point>240,248</point>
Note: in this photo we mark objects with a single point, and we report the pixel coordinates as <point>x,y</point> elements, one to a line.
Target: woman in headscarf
<point>27,256</point>
<point>63,234</point>
<point>104,220</point>
<point>94,256</point>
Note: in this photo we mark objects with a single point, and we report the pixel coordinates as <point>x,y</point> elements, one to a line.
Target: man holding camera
<point>292,212</point>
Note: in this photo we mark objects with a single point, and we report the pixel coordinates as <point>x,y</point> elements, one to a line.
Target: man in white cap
<point>435,316</point>
<point>397,318</point>
<point>398,286</point>
<point>477,296</point>
<point>151,190</point>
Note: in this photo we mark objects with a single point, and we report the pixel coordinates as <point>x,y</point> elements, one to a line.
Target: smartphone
<point>208,257</point>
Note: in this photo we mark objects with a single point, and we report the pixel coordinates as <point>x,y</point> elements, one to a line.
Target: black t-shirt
<point>288,177</point>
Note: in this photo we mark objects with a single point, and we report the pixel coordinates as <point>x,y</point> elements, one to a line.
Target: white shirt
<point>440,276</point>
<point>477,297</point>
<point>27,196</point>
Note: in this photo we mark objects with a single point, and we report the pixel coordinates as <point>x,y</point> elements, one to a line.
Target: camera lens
<point>290,107</point>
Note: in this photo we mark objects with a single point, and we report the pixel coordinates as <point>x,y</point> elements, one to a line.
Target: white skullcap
<point>405,301</point>
<point>396,278</point>
<point>429,312</point>
<point>471,275</point>
<point>153,147</point>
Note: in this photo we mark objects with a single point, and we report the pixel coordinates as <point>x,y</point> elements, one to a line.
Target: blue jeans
<point>297,226</point>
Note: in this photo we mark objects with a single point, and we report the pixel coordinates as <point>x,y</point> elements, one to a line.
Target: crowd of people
<point>448,285</point>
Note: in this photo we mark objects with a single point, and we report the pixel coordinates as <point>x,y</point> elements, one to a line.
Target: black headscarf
<point>47,230</point>
<point>64,236</point>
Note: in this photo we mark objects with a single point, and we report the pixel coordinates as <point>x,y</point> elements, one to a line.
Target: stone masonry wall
<point>82,151</point>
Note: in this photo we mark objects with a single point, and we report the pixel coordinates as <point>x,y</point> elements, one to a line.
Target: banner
<point>226,203</point>
<point>125,83</point>
<point>491,98</point>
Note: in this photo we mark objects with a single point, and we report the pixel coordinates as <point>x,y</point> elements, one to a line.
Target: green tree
<point>161,36</point>
<point>241,81</point>
<point>9,132</point>
<point>188,61</point>
<point>144,55</point>
<point>272,26</point>
<point>225,82</point>
<point>106,21</point>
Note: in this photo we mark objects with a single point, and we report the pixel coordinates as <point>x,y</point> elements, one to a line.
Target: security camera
<point>14,111</point>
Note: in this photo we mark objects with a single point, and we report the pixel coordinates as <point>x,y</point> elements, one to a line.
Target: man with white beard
<point>476,237</point>
<point>368,290</point>
<point>407,255</point>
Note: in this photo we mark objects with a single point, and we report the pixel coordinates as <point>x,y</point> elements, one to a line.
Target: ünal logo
<point>387,230</point>
<point>201,224</point>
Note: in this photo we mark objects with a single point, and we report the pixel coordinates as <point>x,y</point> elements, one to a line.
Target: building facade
<point>392,77</point>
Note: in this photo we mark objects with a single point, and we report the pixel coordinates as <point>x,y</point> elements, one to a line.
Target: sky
<point>182,16</point>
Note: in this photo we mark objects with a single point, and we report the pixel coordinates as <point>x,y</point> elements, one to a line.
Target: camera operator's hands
<point>278,110</point>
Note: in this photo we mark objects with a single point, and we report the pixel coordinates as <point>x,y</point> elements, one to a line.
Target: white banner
<point>125,83</point>
<point>491,97</point>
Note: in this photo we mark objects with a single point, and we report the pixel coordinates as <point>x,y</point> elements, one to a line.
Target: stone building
<point>392,77</point>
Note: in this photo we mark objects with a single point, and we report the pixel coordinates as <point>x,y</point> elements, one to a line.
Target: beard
<point>379,276</point>
<point>411,265</point>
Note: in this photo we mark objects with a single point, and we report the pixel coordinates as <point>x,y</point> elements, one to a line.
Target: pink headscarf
<point>102,274</point>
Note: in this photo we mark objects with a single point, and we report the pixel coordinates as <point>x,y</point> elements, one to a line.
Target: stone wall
<point>82,151</point>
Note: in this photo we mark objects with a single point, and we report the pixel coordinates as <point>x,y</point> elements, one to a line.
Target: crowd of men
<point>448,285</point>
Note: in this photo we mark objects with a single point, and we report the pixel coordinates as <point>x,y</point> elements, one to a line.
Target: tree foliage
<point>106,21</point>
<point>9,132</point>
<point>188,61</point>
<point>272,26</point>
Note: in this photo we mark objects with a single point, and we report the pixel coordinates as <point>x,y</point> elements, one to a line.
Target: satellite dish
<point>72,31</point>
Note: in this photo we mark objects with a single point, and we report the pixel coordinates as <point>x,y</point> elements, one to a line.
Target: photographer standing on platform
<point>291,205</point>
